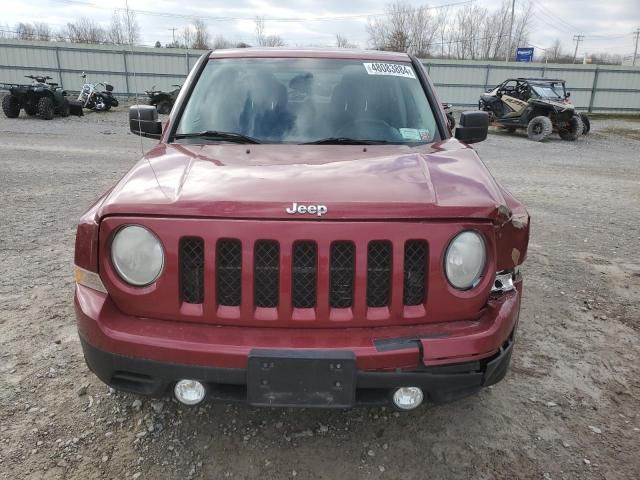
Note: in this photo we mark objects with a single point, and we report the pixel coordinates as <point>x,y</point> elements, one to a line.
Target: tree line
<point>124,30</point>
<point>464,32</point>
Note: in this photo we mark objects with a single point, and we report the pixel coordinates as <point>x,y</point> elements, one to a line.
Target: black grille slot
<point>192,270</point>
<point>229,272</point>
<point>266,273</point>
<point>378,274</point>
<point>341,272</point>
<point>415,271</point>
<point>304,274</point>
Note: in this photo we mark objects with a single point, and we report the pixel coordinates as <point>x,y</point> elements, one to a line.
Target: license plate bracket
<point>301,378</point>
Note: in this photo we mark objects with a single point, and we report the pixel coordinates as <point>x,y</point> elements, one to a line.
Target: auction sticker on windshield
<point>393,69</point>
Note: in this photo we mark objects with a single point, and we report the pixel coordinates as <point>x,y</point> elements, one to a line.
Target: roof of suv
<point>339,53</point>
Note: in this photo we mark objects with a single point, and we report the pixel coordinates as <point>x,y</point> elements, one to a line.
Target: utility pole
<point>577,39</point>
<point>173,34</point>
<point>635,52</point>
<point>513,6</point>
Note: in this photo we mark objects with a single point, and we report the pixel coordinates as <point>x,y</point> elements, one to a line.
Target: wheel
<point>163,107</point>
<point>586,124</point>
<point>572,130</point>
<point>11,106</point>
<point>539,128</point>
<point>63,109</point>
<point>30,109</point>
<point>114,102</point>
<point>46,108</point>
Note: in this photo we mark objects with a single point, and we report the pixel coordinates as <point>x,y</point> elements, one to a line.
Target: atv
<point>163,101</point>
<point>41,98</point>
<point>539,105</point>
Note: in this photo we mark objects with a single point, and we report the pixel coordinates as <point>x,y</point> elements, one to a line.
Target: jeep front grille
<point>319,279</point>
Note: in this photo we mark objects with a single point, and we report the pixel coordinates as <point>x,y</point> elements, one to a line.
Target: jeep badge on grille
<point>318,210</point>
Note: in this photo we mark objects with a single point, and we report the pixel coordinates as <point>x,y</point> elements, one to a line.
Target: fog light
<point>408,398</point>
<point>189,392</point>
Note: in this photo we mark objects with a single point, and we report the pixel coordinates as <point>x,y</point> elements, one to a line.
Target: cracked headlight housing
<point>465,260</point>
<point>137,255</point>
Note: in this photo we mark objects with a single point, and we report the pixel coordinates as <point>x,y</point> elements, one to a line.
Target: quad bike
<point>451,120</point>
<point>97,96</point>
<point>539,105</point>
<point>41,98</point>
<point>163,101</point>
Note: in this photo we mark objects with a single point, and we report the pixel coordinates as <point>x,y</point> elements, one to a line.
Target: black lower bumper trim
<point>440,384</point>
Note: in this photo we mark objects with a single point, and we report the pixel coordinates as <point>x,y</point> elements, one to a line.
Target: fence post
<point>486,77</point>
<point>594,88</point>
<point>186,58</point>
<point>126,71</point>
<point>59,69</point>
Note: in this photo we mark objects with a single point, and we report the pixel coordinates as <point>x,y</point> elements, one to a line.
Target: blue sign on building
<point>524,54</point>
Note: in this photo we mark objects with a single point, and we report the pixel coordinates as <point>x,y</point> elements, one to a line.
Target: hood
<point>445,180</point>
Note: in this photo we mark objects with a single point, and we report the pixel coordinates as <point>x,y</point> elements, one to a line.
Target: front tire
<point>11,106</point>
<point>586,124</point>
<point>539,128</point>
<point>46,109</point>
<point>572,130</point>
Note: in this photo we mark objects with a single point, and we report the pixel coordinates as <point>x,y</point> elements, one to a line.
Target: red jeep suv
<point>307,232</point>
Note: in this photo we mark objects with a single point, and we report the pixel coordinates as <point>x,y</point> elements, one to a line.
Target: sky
<point>607,25</point>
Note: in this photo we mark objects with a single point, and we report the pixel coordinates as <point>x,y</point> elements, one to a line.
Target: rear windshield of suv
<point>310,100</point>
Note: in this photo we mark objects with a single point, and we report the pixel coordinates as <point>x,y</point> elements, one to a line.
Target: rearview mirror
<point>473,127</point>
<point>143,121</point>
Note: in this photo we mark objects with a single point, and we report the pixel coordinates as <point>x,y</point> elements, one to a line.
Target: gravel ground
<point>569,408</point>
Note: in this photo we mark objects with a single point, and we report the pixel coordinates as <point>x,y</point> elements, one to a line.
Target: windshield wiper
<point>217,135</point>
<point>345,141</point>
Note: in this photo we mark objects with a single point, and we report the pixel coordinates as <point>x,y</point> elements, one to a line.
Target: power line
<point>548,21</point>
<point>558,19</point>
<point>211,18</point>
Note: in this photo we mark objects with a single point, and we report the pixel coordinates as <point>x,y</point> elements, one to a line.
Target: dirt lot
<point>569,409</point>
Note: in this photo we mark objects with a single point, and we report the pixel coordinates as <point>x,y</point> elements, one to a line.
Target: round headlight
<point>465,259</point>
<point>137,255</point>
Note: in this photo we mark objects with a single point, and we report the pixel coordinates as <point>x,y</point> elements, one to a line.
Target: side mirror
<point>143,121</point>
<point>473,127</point>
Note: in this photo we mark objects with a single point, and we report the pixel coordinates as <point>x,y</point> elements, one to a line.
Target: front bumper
<point>448,360</point>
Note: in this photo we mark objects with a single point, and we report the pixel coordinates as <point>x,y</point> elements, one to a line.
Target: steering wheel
<point>369,129</point>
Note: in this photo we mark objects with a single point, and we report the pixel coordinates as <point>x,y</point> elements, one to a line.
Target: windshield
<point>309,100</point>
<point>549,91</point>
